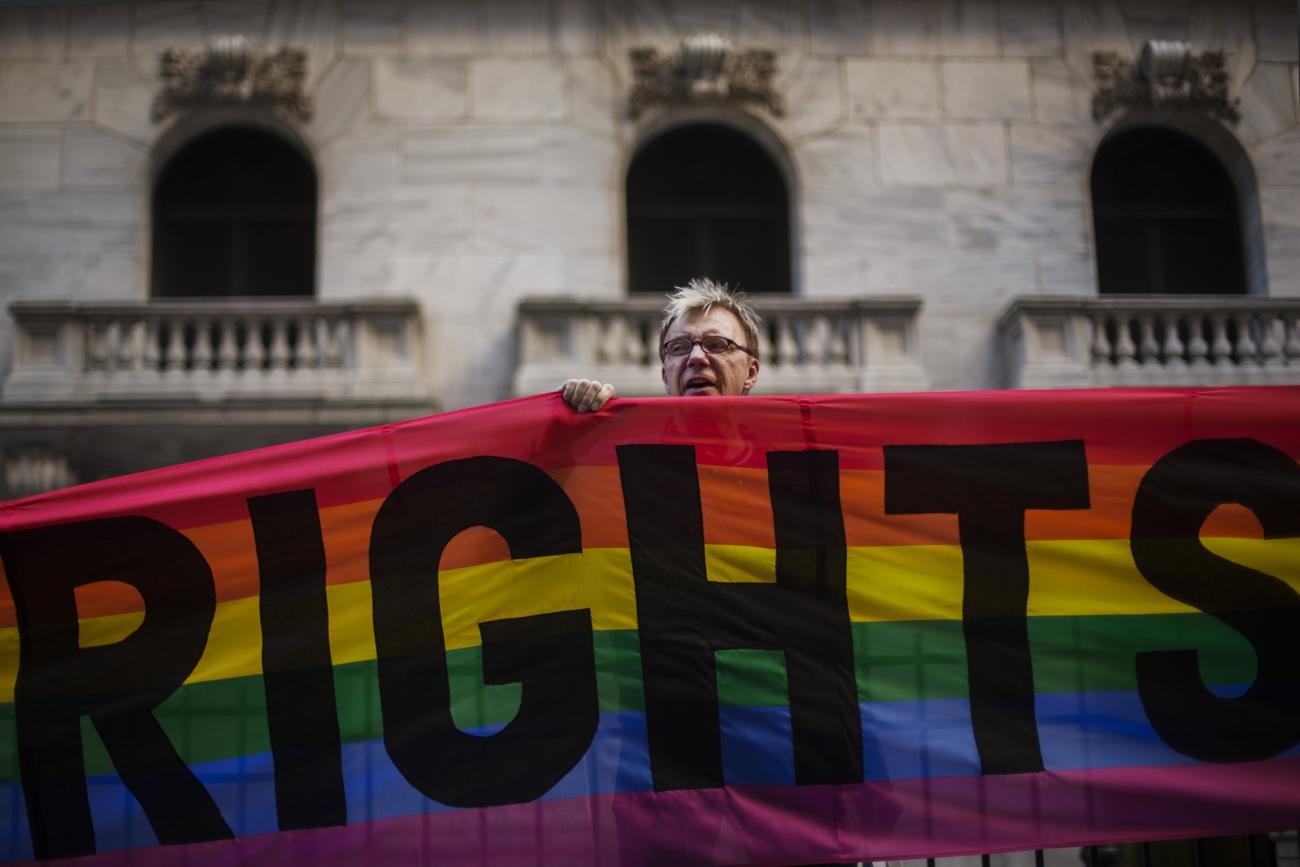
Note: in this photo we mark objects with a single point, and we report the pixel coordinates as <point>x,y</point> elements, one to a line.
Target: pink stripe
<point>781,824</point>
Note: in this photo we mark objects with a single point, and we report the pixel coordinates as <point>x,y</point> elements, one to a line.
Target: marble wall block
<point>1156,19</point>
<point>32,31</point>
<point>955,28</point>
<point>1029,28</point>
<point>706,16</point>
<point>596,105</point>
<point>1275,29</point>
<point>517,27</point>
<point>837,27</point>
<point>1050,155</point>
<point>1281,216</point>
<point>158,26</point>
<point>1217,26</point>
<point>123,99</point>
<point>1275,160</point>
<point>420,89</point>
<point>98,31</point>
<point>367,157</point>
<point>546,220</point>
<point>378,222</point>
<point>45,90</point>
<point>775,24</point>
<point>814,97</point>
<point>371,27</point>
<point>1065,272</point>
<point>342,99</point>
<point>1094,25</point>
<point>571,157</point>
<point>633,23</point>
<point>306,24</point>
<point>1060,97</point>
<point>576,25</point>
<point>446,28</point>
<point>67,223</point>
<point>902,89</point>
<point>876,221</point>
<point>477,154</point>
<point>972,154</point>
<point>347,275</point>
<point>985,89</point>
<point>831,276</point>
<point>97,158</point>
<point>842,160</point>
<point>29,156</point>
<point>1025,220</point>
<point>517,89</point>
<point>1267,102</point>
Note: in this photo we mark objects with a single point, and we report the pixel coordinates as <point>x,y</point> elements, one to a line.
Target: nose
<point>697,356</point>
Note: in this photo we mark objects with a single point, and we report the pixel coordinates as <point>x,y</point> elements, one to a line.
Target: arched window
<point>707,200</point>
<point>234,213</point>
<point>1167,216</point>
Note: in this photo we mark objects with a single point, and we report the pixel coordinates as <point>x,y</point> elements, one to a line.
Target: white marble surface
<point>966,154</point>
<point>32,31</point>
<point>1060,96</point>
<point>98,158</point>
<point>46,90</point>
<point>371,27</point>
<point>420,89</point>
<point>123,100</point>
<point>517,89</point>
<point>837,27</point>
<point>1275,29</point>
<point>982,89</point>
<point>1024,220</point>
<point>1029,28</point>
<point>1267,102</point>
<point>158,26</point>
<point>814,97</point>
<point>1276,164</point>
<point>68,223</point>
<point>844,160</point>
<point>1050,155</point>
<point>98,31</point>
<point>342,99</point>
<point>901,89</point>
<point>29,156</point>
<point>306,24</point>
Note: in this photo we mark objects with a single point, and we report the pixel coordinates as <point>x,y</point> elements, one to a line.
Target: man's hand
<point>586,395</point>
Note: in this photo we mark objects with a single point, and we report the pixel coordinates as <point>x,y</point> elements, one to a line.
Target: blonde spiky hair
<point>702,294</point>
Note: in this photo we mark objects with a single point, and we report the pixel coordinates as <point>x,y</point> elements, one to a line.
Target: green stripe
<point>895,662</point>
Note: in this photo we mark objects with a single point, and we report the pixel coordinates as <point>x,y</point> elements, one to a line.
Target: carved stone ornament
<point>704,69</point>
<point>230,72</point>
<point>1167,74</point>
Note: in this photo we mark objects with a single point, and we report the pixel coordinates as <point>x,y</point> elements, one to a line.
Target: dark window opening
<point>707,201</point>
<point>1167,217</point>
<point>234,213</point>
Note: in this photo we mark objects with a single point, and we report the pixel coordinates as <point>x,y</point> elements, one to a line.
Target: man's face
<point>698,373</point>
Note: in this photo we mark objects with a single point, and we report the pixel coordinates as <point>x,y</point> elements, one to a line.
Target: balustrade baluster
<point>1197,348</point>
<point>764,343</point>
<point>321,339</point>
<point>837,345</point>
<point>98,346</point>
<point>817,340</point>
<point>152,348</point>
<point>1272,334</point>
<point>304,349</point>
<point>279,354</point>
<point>787,347</point>
<point>203,349</point>
<point>343,338</point>
<point>254,349</point>
<point>227,347</point>
<point>1101,348</point>
<point>1247,349</point>
<point>642,346</point>
<point>330,340</point>
<point>1292,346</point>
<point>175,350</point>
<point>133,346</point>
<point>1148,348</point>
<point>1125,349</point>
<point>1173,345</point>
<point>613,340</point>
<point>1220,347</point>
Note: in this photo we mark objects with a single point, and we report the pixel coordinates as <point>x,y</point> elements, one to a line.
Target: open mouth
<point>698,383</point>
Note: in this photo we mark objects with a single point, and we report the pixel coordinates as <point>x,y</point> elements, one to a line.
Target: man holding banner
<point>708,345</point>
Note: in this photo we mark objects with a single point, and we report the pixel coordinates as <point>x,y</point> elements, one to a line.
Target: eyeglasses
<point>714,344</point>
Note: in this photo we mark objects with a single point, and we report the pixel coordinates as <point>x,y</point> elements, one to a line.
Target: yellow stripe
<point>921,582</point>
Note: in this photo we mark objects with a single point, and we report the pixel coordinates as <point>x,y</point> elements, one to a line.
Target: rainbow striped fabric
<point>759,631</point>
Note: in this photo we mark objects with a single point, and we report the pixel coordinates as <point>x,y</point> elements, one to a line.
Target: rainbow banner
<point>706,630</point>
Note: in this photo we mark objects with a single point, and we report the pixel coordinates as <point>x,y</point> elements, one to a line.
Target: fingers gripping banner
<point>731,631</point>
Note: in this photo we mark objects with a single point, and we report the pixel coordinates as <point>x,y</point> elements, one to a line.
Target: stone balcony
<point>1151,340</point>
<point>99,389</point>
<point>806,345</point>
<point>215,352</point>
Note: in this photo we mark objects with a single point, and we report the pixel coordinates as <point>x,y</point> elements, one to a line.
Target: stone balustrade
<point>1151,340</point>
<point>213,351</point>
<point>805,345</point>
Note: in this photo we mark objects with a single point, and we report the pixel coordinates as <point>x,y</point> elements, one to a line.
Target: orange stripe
<point>736,507</point>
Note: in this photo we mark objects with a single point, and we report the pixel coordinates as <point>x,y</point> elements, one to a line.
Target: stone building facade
<point>471,162</point>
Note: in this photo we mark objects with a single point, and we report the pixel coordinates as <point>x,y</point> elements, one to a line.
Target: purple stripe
<point>783,824</point>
